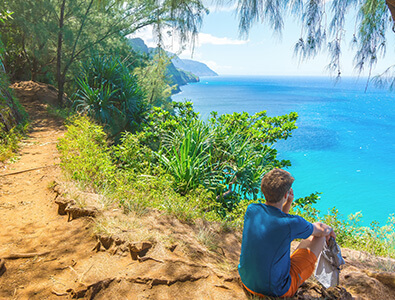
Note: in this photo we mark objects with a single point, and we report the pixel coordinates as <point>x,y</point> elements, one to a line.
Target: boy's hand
<point>331,234</point>
<point>290,195</point>
<point>287,204</point>
<point>321,229</point>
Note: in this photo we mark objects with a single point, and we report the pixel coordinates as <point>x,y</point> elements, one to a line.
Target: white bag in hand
<point>328,266</point>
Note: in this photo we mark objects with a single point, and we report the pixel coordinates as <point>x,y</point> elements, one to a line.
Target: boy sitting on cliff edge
<point>266,267</point>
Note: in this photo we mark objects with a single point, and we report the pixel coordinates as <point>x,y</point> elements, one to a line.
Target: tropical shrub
<point>227,155</point>
<point>375,239</point>
<point>85,154</point>
<point>129,154</point>
<point>154,81</point>
<point>108,92</point>
<point>186,155</point>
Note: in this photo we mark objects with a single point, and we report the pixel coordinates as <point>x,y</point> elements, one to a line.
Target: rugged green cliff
<point>179,71</point>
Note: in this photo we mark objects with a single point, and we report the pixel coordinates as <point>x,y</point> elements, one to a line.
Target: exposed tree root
<point>68,206</point>
<point>59,293</point>
<point>25,255</point>
<point>92,290</point>
<point>114,244</point>
<point>145,258</point>
<point>28,170</point>
<point>159,281</point>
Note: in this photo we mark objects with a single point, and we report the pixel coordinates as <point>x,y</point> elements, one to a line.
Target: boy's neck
<point>278,204</point>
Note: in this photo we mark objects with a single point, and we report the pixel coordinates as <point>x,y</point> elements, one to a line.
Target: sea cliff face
<point>193,66</point>
<point>180,71</point>
<point>179,77</point>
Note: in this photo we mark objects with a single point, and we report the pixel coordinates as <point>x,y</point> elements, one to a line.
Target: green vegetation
<point>180,174</point>
<point>47,40</point>
<point>131,142</point>
<point>350,233</point>
<point>9,141</point>
<point>12,115</point>
<point>85,154</point>
<point>155,84</point>
<point>176,156</point>
<point>110,94</point>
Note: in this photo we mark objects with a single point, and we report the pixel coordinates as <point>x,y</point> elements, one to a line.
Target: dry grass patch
<point>83,195</point>
<point>129,228</point>
<point>208,237</point>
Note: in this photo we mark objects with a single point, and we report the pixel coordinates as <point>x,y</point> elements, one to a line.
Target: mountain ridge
<point>180,71</point>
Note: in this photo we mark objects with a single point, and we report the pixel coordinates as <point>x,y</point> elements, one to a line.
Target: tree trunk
<point>59,76</point>
<point>34,70</point>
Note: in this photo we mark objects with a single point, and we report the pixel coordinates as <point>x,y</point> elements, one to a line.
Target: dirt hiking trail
<point>28,217</point>
<point>45,256</point>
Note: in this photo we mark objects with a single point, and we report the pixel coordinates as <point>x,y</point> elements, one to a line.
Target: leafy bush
<point>85,153</point>
<point>350,232</point>
<point>13,123</point>
<point>373,239</point>
<point>227,155</point>
<point>9,140</point>
<point>130,154</point>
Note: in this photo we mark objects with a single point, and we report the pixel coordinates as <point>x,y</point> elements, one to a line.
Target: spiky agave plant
<point>108,92</point>
<point>96,102</point>
<point>186,155</point>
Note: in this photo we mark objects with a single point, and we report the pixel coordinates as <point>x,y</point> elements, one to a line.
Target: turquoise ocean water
<point>344,146</point>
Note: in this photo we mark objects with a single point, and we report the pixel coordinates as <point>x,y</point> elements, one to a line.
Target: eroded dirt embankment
<point>47,257</point>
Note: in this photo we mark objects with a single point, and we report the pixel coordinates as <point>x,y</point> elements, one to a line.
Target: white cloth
<point>328,266</point>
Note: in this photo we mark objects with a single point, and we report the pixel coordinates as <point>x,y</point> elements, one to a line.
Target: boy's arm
<point>321,229</point>
<point>287,204</point>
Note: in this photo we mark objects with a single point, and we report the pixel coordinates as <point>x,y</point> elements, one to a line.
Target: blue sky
<point>262,53</point>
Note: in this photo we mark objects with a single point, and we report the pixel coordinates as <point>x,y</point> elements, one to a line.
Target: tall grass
<point>9,140</point>
<point>85,154</point>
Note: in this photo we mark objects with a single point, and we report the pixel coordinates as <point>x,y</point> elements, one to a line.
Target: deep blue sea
<point>344,146</point>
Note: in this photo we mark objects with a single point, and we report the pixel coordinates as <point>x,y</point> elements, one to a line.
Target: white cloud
<point>171,42</point>
<point>206,38</point>
<point>146,34</point>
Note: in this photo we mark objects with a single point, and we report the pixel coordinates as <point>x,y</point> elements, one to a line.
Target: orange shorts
<point>302,267</point>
